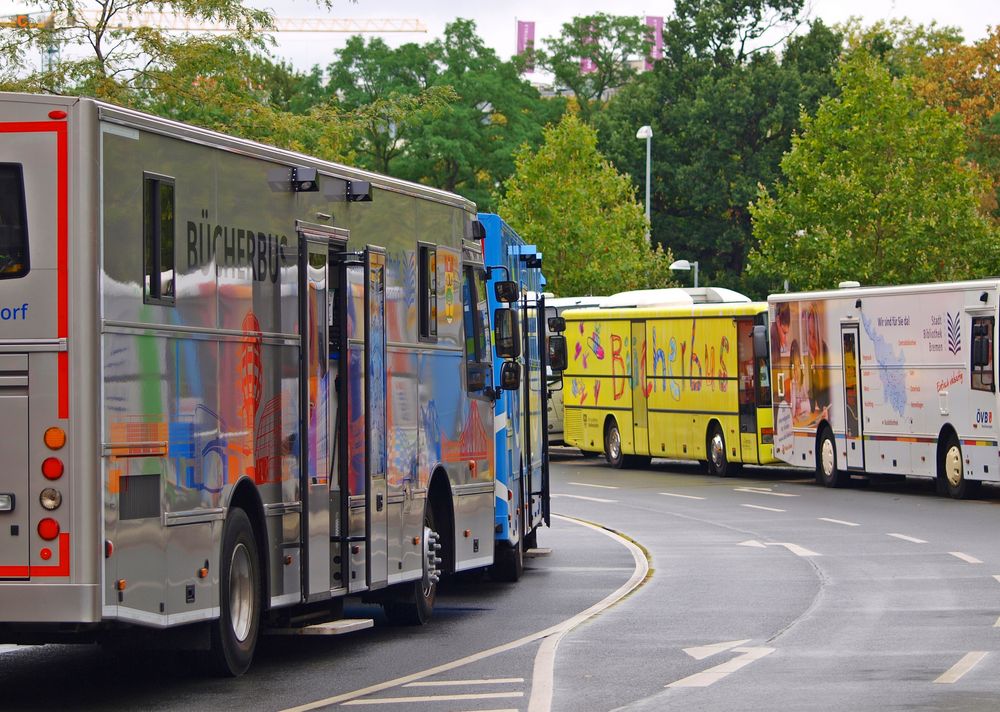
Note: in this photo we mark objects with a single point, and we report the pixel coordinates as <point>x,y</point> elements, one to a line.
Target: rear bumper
<point>49,603</point>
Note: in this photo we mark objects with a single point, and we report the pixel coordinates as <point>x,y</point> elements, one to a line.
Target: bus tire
<point>235,632</point>
<point>613,445</point>
<point>951,473</point>
<point>715,445</point>
<point>508,559</point>
<point>413,604</point>
<point>827,473</point>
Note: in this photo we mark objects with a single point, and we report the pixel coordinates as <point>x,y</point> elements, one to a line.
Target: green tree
<point>101,53</point>
<point>878,190</point>
<point>898,43</point>
<point>468,146</point>
<point>719,130</point>
<point>569,200</point>
<point>609,43</point>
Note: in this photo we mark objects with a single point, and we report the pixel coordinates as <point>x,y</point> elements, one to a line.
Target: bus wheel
<point>508,560</point>
<point>718,464</point>
<point>827,473</point>
<point>234,634</point>
<point>613,445</point>
<point>951,474</point>
<point>414,604</point>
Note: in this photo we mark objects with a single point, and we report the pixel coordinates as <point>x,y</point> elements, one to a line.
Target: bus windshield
<point>13,223</point>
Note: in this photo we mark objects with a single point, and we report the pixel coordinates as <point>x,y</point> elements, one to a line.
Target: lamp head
<point>644,132</point>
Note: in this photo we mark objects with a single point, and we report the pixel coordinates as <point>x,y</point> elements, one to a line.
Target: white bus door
<point>849,336</point>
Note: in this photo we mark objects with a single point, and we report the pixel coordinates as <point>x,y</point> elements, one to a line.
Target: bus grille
<point>139,497</point>
<point>573,426</point>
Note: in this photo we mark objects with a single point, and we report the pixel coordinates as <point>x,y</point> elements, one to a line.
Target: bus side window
<point>158,238</point>
<point>13,223</point>
<point>982,353</point>
<point>427,289</point>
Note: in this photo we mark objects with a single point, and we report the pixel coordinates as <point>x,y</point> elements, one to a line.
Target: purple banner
<point>526,43</point>
<point>655,25</point>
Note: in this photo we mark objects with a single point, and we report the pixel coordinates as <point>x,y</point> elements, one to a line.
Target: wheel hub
<point>828,458</point>
<point>241,603</point>
<point>718,450</point>
<point>432,562</point>
<point>953,466</point>
<point>614,443</point>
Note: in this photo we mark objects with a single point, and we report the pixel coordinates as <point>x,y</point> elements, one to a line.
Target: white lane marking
<point>839,521</point>
<point>794,548</point>
<point>487,681</point>
<point>714,674</point>
<point>580,496</point>
<point>559,629</point>
<point>683,496</point>
<point>434,698</point>
<point>908,538</point>
<point>959,669</point>
<point>543,671</point>
<point>701,652</point>
<point>996,576</point>
<point>761,506</point>
<point>585,484</point>
<point>763,490</point>
<point>997,624</point>
<point>965,557</point>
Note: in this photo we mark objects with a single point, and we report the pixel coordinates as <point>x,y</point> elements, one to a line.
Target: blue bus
<point>521,452</point>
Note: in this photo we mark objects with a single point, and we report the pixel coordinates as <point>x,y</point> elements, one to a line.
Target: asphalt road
<point>882,598</point>
<point>764,592</point>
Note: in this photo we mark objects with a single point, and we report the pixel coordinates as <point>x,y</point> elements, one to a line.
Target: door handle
<point>378,503</point>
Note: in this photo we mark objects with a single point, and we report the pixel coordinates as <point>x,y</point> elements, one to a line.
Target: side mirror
<point>760,342</point>
<point>506,291</point>
<point>557,353</point>
<point>506,334</point>
<point>510,376</point>
<point>557,324</point>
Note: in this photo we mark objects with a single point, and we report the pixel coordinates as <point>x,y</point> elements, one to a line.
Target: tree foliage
<point>583,215</point>
<point>877,190</point>
<point>965,80</point>
<point>608,43</point>
<point>719,129</point>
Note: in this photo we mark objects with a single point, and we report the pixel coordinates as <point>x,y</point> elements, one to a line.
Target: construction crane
<point>174,21</point>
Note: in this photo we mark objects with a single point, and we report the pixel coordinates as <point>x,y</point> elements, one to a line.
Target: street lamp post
<point>646,132</point>
<point>684,266</point>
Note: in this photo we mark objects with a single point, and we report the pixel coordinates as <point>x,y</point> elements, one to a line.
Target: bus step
<point>535,553</point>
<point>344,625</point>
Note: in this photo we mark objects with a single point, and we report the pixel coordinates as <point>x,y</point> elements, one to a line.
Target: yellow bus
<point>673,373</point>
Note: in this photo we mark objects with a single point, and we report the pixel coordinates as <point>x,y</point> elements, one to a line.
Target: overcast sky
<point>496,19</point>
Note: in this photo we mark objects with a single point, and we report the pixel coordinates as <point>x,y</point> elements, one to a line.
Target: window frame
<point>152,244</point>
<point>977,371</point>
<point>427,289</point>
<point>23,206</point>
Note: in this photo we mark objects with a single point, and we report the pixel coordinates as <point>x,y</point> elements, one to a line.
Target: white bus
<point>236,384</point>
<point>890,380</point>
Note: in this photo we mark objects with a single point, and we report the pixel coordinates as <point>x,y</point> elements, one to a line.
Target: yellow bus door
<point>747,390</point>
<point>640,423</point>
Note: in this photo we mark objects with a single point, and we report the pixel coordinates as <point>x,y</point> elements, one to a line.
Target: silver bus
<point>237,384</point>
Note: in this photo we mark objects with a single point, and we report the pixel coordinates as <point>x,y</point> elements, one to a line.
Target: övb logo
<point>984,417</point>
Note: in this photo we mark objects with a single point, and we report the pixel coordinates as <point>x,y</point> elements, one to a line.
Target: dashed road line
<point>996,576</point>
<point>839,521</point>
<point>904,537</point>
<point>486,681</point>
<point>588,499</point>
<point>763,490</point>
<point>587,484</point>
<point>760,506</point>
<point>682,496</point>
<point>957,671</point>
<point>965,557</point>
<point>432,698</point>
